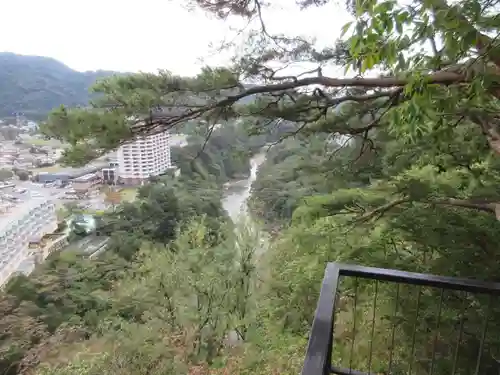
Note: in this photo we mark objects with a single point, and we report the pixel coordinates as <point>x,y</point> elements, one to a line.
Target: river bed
<point>238,192</point>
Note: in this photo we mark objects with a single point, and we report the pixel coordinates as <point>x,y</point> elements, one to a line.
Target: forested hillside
<point>35,85</point>
<point>332,206</point>
<point>173,243</point>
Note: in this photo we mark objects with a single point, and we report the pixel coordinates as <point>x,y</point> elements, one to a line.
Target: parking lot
<point>63,195</point>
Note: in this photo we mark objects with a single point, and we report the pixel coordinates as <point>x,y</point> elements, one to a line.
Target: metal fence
<point>381,321</point>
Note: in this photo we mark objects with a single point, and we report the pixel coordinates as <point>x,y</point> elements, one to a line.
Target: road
<point>96,203</point>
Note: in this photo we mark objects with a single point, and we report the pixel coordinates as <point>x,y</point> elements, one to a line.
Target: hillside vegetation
<point>34,85</point>
<point>71,303</point>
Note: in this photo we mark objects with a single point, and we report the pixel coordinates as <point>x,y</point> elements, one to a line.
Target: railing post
<point>319,348</point>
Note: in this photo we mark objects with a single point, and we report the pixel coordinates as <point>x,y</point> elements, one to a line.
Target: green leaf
<point>399,26</point>
<point>345,28</point>
<point>469,40</point>
<point>354,44</point>
<point>401,61</point>
<point>370,61</point>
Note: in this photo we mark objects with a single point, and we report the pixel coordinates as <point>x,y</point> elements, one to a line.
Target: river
<point>235,203</point>
<point>237,192</point>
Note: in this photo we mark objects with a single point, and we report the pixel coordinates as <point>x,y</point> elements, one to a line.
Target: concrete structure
<point>48,244</point>
<point>66,174</point>
<point>86,182</point>
<point>27,218</point>
<point>49,177</point>
<point>144,158</point>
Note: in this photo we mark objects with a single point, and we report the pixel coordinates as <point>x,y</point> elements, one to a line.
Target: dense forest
<point>397,167</point>
<point>340,210</point>
<point>34,85</point>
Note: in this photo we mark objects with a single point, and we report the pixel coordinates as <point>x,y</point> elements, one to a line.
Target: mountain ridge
<point>33,85</point>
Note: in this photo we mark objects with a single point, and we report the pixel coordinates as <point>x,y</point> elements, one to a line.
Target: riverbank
<point>237,192</point>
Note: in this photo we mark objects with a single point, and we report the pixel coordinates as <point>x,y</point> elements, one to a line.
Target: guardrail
<point>432,324</point>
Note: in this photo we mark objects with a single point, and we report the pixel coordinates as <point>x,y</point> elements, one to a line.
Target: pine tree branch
<point>161,121</point>
<point>489,207</point>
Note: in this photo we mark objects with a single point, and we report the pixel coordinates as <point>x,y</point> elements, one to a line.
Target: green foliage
<point>170,307</point>
<point>156,214</point>
<point>61,301</point>
<point>225,152</point>
<point>438,65</point>
<point>307,167</point>
<point>223,156</point>
<point>182,298</point>
<point>177,223</point>
<point>422,209</point>
<point>123,103</point>
<point>140,350</point>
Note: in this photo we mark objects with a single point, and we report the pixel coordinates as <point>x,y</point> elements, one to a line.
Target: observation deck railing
<point>381,321</point>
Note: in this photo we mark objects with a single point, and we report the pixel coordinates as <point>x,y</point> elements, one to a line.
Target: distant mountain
<point>34,85</point>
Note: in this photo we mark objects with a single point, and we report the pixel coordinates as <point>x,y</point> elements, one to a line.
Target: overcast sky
<point>133,35</point>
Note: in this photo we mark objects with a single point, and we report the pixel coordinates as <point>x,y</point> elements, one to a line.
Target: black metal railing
<point>381,321</point>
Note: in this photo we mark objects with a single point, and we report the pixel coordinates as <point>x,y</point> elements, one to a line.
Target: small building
<point>50,177</point>
<point>86,182</point>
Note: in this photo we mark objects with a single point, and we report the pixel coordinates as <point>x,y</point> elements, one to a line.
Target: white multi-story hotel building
<point>20,224</point>
<point>145,157</point>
